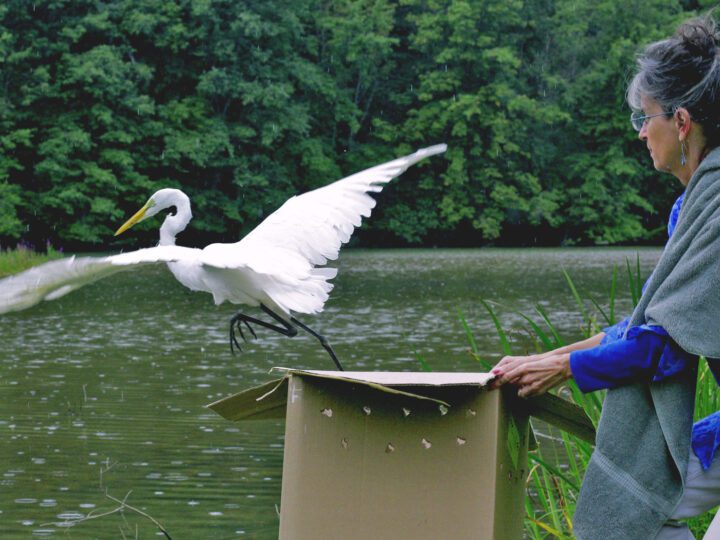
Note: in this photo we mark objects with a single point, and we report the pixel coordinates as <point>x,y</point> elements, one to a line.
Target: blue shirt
<point>645,351</point>
<point>627,355</point>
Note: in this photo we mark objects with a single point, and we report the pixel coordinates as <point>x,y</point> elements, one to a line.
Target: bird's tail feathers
<point>302,296</point>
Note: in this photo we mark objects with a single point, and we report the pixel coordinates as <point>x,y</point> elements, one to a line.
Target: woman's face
<point>661,136</point>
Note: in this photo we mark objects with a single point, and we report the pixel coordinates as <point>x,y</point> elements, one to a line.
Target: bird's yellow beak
<point>137,218</point>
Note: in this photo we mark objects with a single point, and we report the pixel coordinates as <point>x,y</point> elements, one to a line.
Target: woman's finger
<point>503,363</point>
<point>501,376</point>
<point>514,373</point>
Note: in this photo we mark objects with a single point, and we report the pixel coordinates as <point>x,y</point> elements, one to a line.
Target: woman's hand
<point>538,373</point>
<point>534,374</point>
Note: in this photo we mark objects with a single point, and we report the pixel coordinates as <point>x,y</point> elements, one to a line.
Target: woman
<point>643,474</point>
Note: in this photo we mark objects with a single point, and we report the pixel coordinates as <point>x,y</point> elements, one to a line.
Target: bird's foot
<point>236,326</point>
<point>234,343</point>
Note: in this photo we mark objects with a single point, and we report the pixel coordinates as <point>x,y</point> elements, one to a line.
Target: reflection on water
<point>105,389</point>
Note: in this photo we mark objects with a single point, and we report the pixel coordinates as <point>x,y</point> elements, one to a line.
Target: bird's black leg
<point>240,318</point>
<point>323,341</point>
<point>285,328</point>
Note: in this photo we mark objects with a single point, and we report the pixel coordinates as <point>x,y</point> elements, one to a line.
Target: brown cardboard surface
<point>401,378</point>
<point>365,464</point>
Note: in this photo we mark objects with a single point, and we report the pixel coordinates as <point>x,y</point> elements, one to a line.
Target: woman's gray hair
<point>683,71</point>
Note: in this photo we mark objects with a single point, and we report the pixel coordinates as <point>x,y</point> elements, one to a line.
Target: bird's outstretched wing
<point>309,229</point>
<point>57,278</point>
<point>280,255</point>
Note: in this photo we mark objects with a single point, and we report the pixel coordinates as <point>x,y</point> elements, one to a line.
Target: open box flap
<point>265,401</point>
<point>385,379</point>
<point>269,400</point>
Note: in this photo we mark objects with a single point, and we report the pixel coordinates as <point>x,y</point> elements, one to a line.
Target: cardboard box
<point>380,455</point>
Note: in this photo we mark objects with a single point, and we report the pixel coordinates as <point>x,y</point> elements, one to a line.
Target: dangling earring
<point>682,153</point>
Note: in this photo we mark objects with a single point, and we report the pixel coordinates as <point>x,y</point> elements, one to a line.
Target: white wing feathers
<point>306,231</point>
<point>57,278</point>
<point>309,229</point>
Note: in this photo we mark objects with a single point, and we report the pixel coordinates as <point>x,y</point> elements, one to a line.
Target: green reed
<point>556,471</point>
<point>22,257</point>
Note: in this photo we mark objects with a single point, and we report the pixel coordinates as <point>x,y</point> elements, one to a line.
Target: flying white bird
<point>277,266</point>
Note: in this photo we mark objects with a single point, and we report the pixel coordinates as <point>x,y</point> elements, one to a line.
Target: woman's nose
<point>643,132</point>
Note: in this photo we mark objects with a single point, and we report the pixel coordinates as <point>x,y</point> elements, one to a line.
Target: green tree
<point>242,104</point>
<point>611,193</point>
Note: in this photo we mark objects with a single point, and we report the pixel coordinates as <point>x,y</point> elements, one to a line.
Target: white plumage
<point>275,266</point>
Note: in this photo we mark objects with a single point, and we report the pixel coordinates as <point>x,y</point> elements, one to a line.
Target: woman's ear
<point>682,119</point>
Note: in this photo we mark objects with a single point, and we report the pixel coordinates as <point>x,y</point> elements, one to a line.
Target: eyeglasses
<point>638,120</point>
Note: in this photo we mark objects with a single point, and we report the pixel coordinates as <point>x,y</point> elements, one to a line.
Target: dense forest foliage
<point>244,103</point>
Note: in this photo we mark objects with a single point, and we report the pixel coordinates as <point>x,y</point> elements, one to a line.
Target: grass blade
<point>468,333</point>
<point>423,363</point>
<point>504,343</point>
<point>549,529</point>
<point>474,351</point>
<point>542,336</point>
<point>554,470</point>
<point>575,294</point>
<point>601,310</point>
<point>634,293</point>
<point>558,340</point>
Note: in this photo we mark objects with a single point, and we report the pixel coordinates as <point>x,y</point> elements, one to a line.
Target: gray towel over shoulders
<point>635,477</point>
<point>683,294</point>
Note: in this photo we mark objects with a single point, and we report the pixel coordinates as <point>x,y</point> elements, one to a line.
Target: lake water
<point>105,389</point>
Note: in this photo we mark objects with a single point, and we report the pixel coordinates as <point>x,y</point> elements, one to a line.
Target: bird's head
<point>159,201</point>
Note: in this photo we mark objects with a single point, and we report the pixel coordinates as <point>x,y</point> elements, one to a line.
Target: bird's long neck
<point>175,223</point>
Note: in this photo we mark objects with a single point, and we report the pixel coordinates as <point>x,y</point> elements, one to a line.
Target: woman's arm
<point>648,353</point>
<point>538,373</point>
<point>588,343</point>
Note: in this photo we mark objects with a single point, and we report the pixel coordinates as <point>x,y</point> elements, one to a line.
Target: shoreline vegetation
<point>243,104</point>
<point>23,257</point>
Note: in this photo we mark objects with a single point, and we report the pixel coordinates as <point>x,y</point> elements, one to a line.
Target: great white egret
<point>277,266</point>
